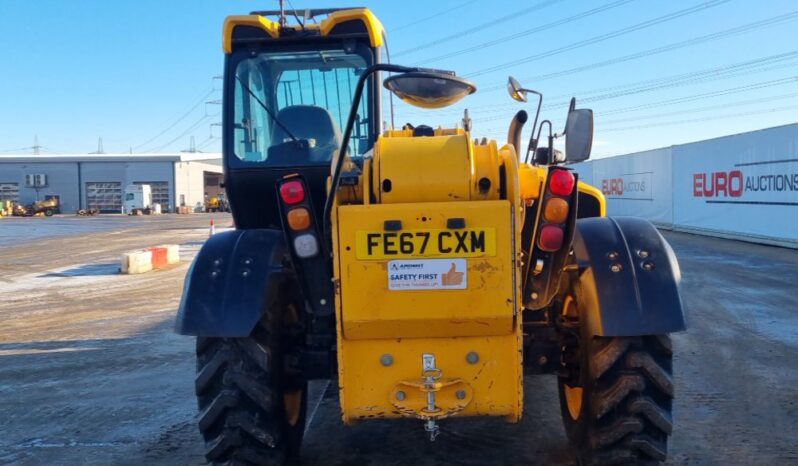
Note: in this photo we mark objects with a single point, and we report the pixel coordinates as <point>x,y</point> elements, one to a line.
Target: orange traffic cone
<point>213,229</point>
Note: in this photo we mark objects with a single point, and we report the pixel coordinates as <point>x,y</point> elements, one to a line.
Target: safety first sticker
<point>427,274</point>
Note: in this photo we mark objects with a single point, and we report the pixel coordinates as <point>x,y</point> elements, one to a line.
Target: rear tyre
<point>618,408</point>
<point>252,411</point>
<point>48,213</point>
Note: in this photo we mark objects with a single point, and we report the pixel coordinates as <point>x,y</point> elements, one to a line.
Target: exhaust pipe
<point>514,133</point>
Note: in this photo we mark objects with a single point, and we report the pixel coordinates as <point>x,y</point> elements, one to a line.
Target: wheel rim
<point>573,399</point>
<point>573,395</point>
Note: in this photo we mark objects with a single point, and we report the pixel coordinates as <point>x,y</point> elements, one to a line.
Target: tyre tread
<point>236,398</point>
<point>628,414</point>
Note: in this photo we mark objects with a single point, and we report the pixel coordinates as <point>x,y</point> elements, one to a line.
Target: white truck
<point>138,199</point>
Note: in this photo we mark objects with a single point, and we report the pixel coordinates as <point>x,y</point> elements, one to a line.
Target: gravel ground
<point>91,373</point>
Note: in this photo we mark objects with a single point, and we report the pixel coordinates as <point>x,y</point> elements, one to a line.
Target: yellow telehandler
<point>427,270</point>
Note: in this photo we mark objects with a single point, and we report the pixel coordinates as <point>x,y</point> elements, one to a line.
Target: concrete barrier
<point>145,260</point>
<point>136,262</point>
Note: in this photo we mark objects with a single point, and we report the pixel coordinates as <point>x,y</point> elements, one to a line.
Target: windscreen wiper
<point>268,110</point>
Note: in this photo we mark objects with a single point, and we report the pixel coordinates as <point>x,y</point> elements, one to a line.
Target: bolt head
<point>615,268</point>
<point>245,273</point>
<point>648,266</point>
<point>217,262</point>
<point>612,255</point>
<point>642,253</point>
<point>460,394</point>
<point>534,295</point>
<point>322,301</point>
<point>543,360</point>
<point>386,359</point>
<point>472,357</point>
<point>400,395</point>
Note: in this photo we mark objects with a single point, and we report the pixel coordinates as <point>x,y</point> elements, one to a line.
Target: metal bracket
<point>432,397</point>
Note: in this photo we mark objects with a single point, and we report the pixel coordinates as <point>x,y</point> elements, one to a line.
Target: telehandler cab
<point>425,270</point>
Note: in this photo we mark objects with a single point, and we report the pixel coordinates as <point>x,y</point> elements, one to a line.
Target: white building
<point>742,186</point>
<point>98,181</point>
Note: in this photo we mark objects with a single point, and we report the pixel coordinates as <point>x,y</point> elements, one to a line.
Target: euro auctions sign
<point>745,184</point>
<point>637,184</point>
<point>629,186</point>
<point>735,183</point>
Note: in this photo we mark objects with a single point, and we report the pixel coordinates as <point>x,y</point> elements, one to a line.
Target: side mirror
<point>578,135</point>
<point>429,89</point>
<point>515,90</point>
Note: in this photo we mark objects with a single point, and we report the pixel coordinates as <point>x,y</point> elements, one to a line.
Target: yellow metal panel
<point>595,192</point>
<point>423,169</point>
<point>529,180</point>
<point>486,166</point>
<point>370,310</point>
<point>408,133</point>
<point>365,181</point>
<point>367,387</point>
<point>373,24</point>
<point>272,28</point>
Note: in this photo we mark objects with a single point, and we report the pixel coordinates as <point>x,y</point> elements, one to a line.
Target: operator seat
<point>312,123</point>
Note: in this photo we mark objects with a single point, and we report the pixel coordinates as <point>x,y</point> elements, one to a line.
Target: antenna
<point>282,13</point>
<point>99,147</point>
<point>36,147</point>
<point>388,56</point>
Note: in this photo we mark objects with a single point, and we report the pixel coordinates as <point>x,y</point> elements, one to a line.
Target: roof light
<point>550,238</point>
<point>292,192</point>
<point>561,182</point>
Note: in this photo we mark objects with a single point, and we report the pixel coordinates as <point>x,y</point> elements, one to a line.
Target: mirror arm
<point>533,142</point>
<point>540,130</point>
<point>350,123</point>
<point>571,108</point>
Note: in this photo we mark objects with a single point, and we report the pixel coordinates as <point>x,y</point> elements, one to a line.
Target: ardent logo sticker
<point>428,274</point>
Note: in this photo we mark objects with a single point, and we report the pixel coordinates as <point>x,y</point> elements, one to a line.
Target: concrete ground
<point>91,373</point>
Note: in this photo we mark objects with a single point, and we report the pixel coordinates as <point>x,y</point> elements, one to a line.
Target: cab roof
<point>258,26</point>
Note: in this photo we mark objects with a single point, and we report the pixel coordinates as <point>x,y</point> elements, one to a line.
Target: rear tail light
<point>299,218</point>
<point>561,182</point>
<point>306,245</point>
<point>551,238</point>
<point>292,192</point>
<point>556,210</point>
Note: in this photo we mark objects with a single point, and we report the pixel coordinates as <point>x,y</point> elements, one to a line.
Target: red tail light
<point>551,238</point>
<point>561,182</point>
<point>292,192</point>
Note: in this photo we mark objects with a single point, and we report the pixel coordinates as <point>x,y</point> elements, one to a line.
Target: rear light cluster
<point>292,192</point>
<point>555,210</point>
<point>298,218</point>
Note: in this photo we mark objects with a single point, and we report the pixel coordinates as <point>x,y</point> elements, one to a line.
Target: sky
<point>140,74</point>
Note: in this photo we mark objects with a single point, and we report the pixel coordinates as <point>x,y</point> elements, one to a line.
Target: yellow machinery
<point>6,208</point>
<point>217,203</point>
<point>46,207</point>
<point>427,270</point>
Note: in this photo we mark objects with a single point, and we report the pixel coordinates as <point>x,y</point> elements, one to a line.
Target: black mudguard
<point>232,281</point>
<point>641,296</point>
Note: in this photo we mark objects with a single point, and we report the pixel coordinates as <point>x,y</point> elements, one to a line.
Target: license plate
<point>466,242</point>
